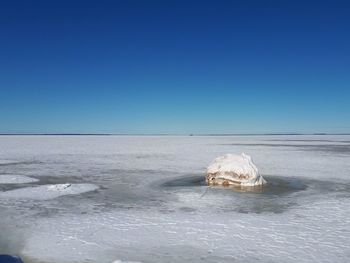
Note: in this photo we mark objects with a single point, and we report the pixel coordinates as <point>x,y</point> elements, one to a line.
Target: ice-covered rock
<point>233,169</point>
<point>45,192</point>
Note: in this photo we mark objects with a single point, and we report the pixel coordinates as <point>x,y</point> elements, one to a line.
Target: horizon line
<point>167,134</point>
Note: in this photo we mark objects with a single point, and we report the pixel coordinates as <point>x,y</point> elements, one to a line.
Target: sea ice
<point>16,179</point>
<point>233,169</point>
<point>45,192</point>
<point>167,218</point>
<point>2,161</point>
<point>120,261</point>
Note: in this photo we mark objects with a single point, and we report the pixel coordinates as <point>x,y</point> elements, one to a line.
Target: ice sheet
<point>45,192</point>
<point>153,205</point>
<point>16,179</point>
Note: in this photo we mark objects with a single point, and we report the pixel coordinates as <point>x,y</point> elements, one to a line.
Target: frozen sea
<point>144,199</point>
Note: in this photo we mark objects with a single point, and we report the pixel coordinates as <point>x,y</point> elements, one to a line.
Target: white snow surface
<point>45,192</point>
<point>241,165</point>
<point>16,179</point>
<point>5,162</point>
<point>120,261</point>
<point>153,205</point>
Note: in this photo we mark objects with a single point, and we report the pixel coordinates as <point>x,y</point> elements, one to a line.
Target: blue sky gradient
<point>174,66</point>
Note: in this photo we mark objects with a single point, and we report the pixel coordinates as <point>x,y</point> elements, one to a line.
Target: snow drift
<point>45,192</point>
<point>16,179</point>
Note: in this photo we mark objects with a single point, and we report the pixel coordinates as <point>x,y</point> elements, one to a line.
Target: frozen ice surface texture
<point>153,205</point>
<point>16,179</point>
<point>45,192</point>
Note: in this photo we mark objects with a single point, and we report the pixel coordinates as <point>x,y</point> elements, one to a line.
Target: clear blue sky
<point>174,66</point>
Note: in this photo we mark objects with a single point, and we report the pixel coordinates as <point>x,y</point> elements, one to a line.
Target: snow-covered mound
<point>233,169</point>
<point>45,192</point>
<point>16,179</point>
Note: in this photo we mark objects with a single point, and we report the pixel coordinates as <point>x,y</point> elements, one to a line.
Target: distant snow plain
<point>143,199</point>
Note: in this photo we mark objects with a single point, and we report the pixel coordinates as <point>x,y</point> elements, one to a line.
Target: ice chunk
<point>16,179</point>
<point>58,187</point>
<point>233,169</point>
<point>45,192</point>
